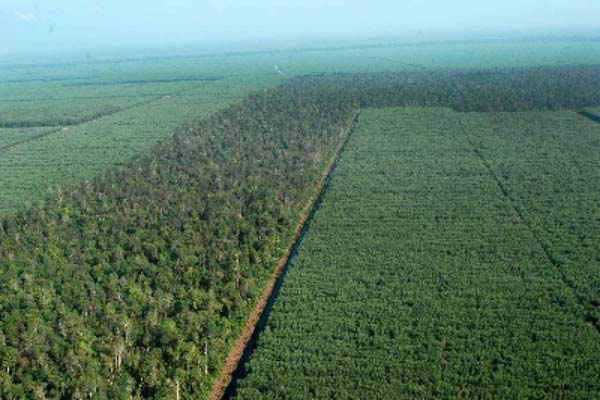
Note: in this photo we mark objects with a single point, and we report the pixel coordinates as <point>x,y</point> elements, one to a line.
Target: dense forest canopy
<point>136,283</point>
<point>507,89</point>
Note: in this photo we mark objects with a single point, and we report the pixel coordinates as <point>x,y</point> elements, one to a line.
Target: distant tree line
<point>511,89</point>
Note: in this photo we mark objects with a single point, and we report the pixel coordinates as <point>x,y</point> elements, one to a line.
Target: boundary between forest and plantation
<point>66,127</point>
<point>238,350</point>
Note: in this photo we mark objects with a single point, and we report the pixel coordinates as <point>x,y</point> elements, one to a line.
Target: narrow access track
<point>234,366</point>
<point>29,139</point>
<point>63,128</point>
<point>543,245</point>
<point>391,60</point>
<point>66,127</point>
<point>279,70</point>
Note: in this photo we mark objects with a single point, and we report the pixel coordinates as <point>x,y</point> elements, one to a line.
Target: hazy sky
<point>47,25</point>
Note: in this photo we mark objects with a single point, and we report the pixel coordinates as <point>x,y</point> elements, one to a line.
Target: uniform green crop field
<point>11,136</point>
<point>548,164</point>
<point>454,255</point>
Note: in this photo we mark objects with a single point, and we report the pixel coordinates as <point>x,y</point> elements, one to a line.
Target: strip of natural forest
<point>234,367</point>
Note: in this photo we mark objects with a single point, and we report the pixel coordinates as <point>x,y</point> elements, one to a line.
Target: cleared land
<point>454,255</point>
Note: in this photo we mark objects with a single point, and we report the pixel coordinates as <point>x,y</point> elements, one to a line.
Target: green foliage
<point>516,89</point>
<point>71,154</point>
<point>143,277</point>
<point>547,163</point>
<point>36,113</point>
<point>115,109</point>
<point>428,271</point>
<point>9,137</point>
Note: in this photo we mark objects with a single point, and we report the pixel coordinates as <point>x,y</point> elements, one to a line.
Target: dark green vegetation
<point>548,164</point>
<point>137,283</point>
<point>454,255</point>
<point>513,89</point>
<point>131,251</point>
<point>592,113</point>
<point>104,112</point>
<point>64,132</point>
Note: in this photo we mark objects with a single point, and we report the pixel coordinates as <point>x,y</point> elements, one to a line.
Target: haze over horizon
<point>28,26</point>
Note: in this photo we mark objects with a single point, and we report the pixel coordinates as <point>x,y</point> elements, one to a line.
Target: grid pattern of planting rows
<point>435,269</point>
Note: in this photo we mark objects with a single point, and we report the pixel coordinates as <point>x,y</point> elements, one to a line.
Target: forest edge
<point>238,349</point>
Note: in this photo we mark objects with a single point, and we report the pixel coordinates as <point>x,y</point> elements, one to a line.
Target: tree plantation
<point>144,207</point>
<point>454,256</point>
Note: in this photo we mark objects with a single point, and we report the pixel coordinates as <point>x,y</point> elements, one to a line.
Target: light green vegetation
<point>114,110</point>
<point>10,136</point>
<point>467,55</point>
<point>70,111</point>
<point>453,256</point>
<point>29,170</point>
<point>142,107</point>
<point>496,54</point>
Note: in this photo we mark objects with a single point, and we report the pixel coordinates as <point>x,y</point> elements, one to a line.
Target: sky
<point>30,26</point>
